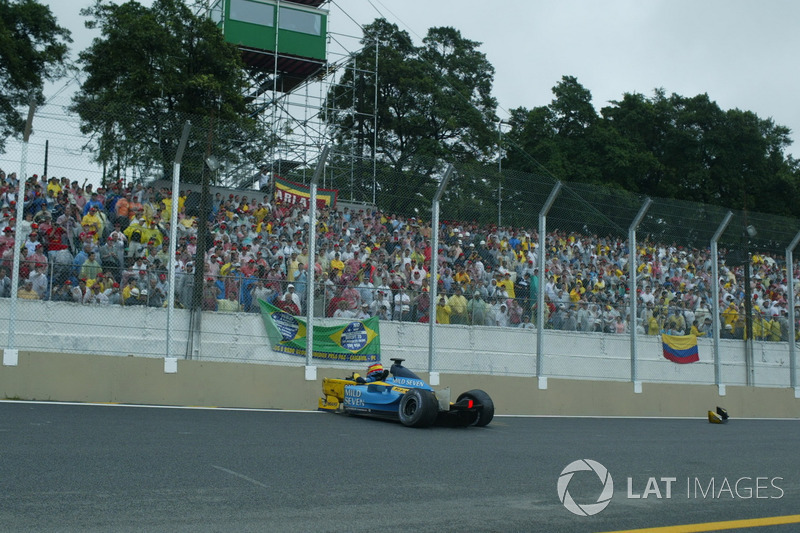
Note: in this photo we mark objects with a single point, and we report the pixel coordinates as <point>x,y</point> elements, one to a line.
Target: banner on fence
<point>290,192</point>
<point>358,340</point>
<point>680,349</point>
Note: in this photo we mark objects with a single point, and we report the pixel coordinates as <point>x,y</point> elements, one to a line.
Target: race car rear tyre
<point>418,408</point>
<point>486,410</point>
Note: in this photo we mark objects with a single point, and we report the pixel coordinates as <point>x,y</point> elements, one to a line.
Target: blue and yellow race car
<point>400,394</point>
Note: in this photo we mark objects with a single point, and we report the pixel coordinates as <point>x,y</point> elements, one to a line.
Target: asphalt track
<point>114,468</point>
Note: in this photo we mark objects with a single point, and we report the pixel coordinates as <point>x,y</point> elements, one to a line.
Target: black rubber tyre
<point>418,408</point>
<point>486,411</point>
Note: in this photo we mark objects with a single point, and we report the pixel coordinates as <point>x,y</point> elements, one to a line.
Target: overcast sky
<point>743,53</point>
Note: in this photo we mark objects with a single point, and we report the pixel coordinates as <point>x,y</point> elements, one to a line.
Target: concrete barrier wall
<point>59,327</point>
<point>141,380</point>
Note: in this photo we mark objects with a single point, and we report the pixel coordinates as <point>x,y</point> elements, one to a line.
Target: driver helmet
<point>375,371</point>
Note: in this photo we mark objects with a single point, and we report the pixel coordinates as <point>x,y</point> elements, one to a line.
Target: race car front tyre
<point>486,410</point>
<point>418,408</point>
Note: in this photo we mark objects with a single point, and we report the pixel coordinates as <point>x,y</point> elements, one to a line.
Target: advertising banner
<point>290,192</point>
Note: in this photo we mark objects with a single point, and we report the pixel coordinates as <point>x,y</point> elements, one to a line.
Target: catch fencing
<point>526,275</point>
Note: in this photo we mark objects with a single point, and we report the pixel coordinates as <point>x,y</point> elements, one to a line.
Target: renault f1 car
<point>401,394</point>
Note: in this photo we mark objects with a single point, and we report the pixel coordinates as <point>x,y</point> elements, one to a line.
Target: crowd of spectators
<point>110,246</point>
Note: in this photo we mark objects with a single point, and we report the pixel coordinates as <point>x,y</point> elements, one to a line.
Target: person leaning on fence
<point>727,332</point>
<point>211,292</point>
<point>443,311</point>
<point>137,298</point>
<point>97,296</point>
<point>363,313</point>
<point>5,284</point>
<point>501,315</point>
<point>26,292</point>
<point>421,305</point>
<point>343,311</point>
<point>526,323</point>
<point>229,304</point>
<point>381,306</point>
<point>653,325</point>
<point>706,329</point>
<point>402,305</point>
<point>38,278</point>
<point>476,309</point>
<point>774,331</point>
<point>458,305</point>
<point>515,312</point>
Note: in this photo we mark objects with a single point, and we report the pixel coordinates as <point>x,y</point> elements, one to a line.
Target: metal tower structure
<point>293,62</point>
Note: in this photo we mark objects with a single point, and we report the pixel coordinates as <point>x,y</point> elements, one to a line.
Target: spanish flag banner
<point>680,349</point>
<point>290,192</point>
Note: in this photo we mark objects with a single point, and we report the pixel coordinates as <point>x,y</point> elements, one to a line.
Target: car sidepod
<point>379,398</point>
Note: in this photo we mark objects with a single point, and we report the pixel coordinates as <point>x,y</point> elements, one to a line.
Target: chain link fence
<point>535,277</point>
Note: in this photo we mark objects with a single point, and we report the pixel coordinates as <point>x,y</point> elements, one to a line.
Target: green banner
<point>357,341</point>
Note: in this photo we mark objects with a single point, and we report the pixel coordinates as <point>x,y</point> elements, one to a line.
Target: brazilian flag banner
<point>357,341</point>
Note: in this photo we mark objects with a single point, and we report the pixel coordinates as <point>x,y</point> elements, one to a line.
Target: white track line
<point>242,476</point>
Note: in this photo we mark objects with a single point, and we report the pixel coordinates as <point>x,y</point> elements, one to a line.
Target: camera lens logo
<point>588,509</point>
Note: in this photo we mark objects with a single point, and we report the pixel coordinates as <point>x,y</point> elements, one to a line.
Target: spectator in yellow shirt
<point>443,311</point>
<point>458,308</point>
<point>507,284</point>
<point>26,292</point>
<point>93,221</point>
<point>337,263</point>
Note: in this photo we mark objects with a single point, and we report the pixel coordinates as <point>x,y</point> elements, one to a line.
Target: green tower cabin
<point>283,38</point>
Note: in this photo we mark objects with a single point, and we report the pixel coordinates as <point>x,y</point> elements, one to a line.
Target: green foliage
<point>434,104</point>
<point>673,146</point>
<point>33,50</point>
<point>150,71</point>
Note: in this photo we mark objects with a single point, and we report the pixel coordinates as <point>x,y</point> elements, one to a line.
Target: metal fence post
<point>637,385</point>
<point>311,370</point>
<point>715,310</point>
<point>11,354</point>
<point>434,376</point>
<point>170,363</point>
<point>540,296</point>
<point>792,317</point>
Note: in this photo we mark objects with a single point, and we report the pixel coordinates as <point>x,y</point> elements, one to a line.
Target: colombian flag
<point>680,349</point>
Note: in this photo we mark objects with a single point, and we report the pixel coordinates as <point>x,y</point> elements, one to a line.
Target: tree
<point>33,50</point>
<point>688,148</point>
<point>560,137</point>
<point>151,70</point>
<point>433,103</point>
<point>666,146</point>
